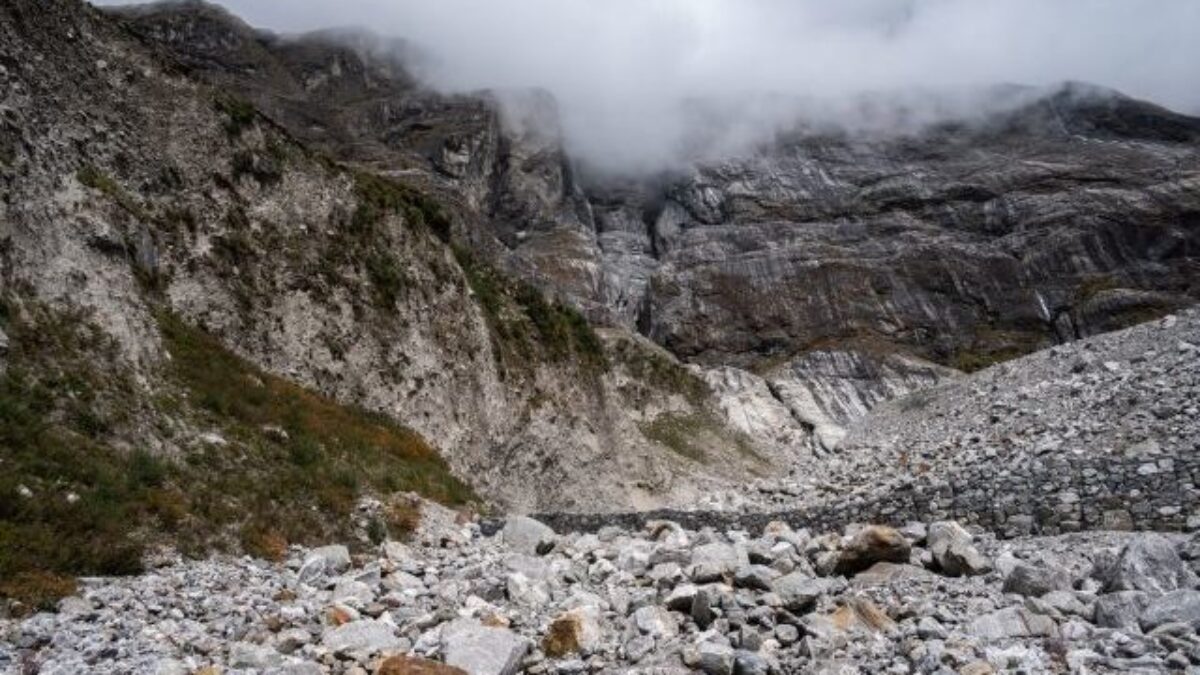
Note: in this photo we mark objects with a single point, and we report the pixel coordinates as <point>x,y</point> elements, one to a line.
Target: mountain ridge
<point>1014,199</point>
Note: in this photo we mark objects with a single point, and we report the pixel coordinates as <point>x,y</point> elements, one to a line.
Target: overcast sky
<point>621,68</point>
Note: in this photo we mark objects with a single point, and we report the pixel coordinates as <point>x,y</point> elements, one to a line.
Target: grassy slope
<point>74,501</point>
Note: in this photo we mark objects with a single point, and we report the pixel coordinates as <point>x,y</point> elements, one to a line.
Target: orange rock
<point>494,620</point>
<point>862,613</point>
<point>563,637</point>
<point>408,665</point>
<point>338,616</point>
<point>871,545</point>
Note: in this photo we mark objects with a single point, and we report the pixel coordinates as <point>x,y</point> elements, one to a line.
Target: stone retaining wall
<point>1044,495</point>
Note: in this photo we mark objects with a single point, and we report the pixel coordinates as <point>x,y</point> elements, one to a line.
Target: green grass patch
<point>67,499</point>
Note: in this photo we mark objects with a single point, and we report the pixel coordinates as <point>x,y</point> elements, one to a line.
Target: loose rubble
<point>661,599</point>
<point>988,577</point>
<point>1100,434</point>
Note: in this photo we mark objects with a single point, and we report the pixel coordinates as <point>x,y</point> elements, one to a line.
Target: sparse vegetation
<point>363,245</point>
<point>8,154</point>
<point>525,323</point>
<point>66,498</point>
<point>94,178</point>
<point>994,346</point>
<point>379,196</point>
<point>695,435</point>
<point>326,449</point>
<point>265,169</point>
<point>239,114</point>
<point>386,276</point>
<point>660,372</point>
<point>1094,285</point>
<point>290,468</point>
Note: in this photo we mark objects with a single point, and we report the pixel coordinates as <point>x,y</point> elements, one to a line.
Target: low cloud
<point>641,82</point>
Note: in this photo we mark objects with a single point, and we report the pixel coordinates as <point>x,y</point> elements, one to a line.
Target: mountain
<point>288,341</point>
<point>219,332</point>
<point>1070,213</point>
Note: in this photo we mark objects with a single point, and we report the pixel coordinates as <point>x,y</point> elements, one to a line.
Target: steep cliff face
<point>964,243</point>
<point>494,158</point>
<point>297,198</point>
<point>133,192</point>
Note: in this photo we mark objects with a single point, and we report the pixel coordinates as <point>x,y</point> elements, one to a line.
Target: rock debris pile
<point>923,598</point>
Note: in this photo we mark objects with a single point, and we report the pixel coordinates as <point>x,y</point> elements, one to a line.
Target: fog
<point>641,82</point>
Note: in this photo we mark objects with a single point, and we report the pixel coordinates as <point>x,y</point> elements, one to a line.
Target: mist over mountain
<point>543,337</point>
<point>644,84</point>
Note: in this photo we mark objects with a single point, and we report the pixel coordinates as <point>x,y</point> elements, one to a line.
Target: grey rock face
<point>961,244</point>
<point>1037,580</point>
<point>1012,623</point>
<point>364,636</point>
<point>712,562</point>
<point>715,659</point>
<point>482,650</point>
<point>799,592</point>
<point>1182,606</point>
<point>527,535</point>
<point>655,622</point>
<point>328,560</point>
<point>1149,563</point>
<point>951,547</point>
<point>245,655</point>
<point>1121,609</point>
<point>701,610</point>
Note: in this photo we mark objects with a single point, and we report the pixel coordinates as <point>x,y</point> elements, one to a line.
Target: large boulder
<point>799,592</point>
<point>713,658</point>
<point>525,592</point>
<point>886,574</point>
<point>1035,581</point>
<point>528,536</point>
<point>362,637</point>
<point>322,562</point>
<point>1012,623</point>
<point>482,650</point>
<point>715,561</point>
<point>1121,609</point>
<point>872,545</point>
<point>953,551</point>
<point>247,655</point>
<point>1148,563</point>
<point>1182,606</point>
<point>656,622</point>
